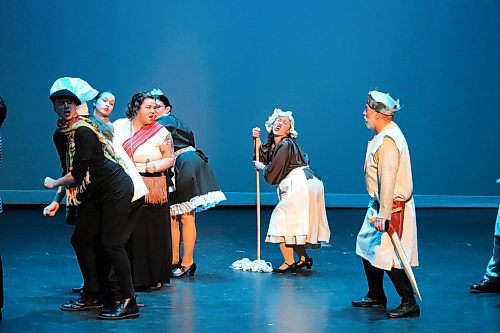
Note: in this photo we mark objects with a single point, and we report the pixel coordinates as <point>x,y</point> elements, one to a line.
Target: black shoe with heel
<point>290,268</point>
<point>177,265</point>
<point>184,271</point>
<point>307,263</point>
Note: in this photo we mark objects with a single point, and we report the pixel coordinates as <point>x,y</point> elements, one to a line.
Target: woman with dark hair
<point>299,220</point>
<point>108,191</point>
<point>3,115</point>
<point>104,103</point>
<point>195,187</point>
<point>149,145</point>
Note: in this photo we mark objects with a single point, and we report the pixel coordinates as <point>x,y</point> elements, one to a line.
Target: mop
<point>258,265</point>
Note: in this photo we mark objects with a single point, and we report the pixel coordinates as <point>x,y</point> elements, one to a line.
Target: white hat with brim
<point>76,89</point>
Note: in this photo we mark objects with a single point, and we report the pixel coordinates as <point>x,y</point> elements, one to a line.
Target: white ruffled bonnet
<point>280,113</point>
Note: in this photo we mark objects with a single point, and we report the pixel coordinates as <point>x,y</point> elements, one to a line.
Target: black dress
<point>195,186</point>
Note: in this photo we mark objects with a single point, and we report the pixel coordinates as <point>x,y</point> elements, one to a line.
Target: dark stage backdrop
<point>227,64</point>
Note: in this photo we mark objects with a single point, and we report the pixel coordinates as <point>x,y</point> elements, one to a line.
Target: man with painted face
<point>388,180</point>
<point>108,190</point>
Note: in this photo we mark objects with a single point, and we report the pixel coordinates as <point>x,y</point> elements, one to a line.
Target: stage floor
<point>454,246</point>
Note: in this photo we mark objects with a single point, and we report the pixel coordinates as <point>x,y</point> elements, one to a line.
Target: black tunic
<point>89,156</point>
<point>281,159</point>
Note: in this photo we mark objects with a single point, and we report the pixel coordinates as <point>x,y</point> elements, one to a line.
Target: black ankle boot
<point>126,309</point>
<point>405,309</point>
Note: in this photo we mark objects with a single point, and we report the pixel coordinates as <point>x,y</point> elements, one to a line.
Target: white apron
<point>300,216</point>
<point>375,246</point>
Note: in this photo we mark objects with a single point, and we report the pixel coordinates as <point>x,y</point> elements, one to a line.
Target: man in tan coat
<point>389,183</point>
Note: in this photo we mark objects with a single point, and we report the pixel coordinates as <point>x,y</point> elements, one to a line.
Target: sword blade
<point>396,242</point>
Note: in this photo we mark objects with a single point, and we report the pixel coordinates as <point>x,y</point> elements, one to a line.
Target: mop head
<point>246,264</point>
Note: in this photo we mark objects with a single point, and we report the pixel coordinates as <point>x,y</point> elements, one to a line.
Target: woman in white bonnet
<point>299,220</point>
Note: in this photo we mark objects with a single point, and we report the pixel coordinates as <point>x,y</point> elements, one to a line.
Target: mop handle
<point>257,177</point>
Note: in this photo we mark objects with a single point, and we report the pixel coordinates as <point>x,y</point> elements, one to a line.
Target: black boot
<point>405,309</point>
<point>126,309</point>
<point>83,302</point>
<point>485,286</point>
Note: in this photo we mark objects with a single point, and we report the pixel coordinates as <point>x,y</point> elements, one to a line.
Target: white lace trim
<point>246,264</point>
<point>199,203</point>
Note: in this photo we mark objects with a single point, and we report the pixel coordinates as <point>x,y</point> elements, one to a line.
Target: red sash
<point>398,215</point>
<point>140,137</point>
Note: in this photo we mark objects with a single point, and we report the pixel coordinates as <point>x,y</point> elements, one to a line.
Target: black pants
<point>104,227</point>
<point>375,278</point>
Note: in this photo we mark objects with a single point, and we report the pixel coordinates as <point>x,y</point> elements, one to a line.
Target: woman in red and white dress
<point>150,147</point>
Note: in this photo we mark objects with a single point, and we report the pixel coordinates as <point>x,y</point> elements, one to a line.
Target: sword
<point>396,242</point>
